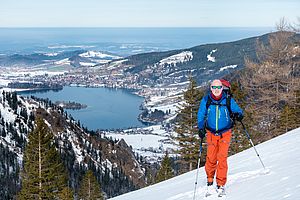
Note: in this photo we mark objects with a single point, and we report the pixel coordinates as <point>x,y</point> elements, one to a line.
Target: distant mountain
<point>204,62</point>
<point>75,58</point>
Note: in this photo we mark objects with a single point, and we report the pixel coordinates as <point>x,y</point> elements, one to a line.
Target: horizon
<point>166,27</point>
<point>145,13</point>
<point>31,39</point>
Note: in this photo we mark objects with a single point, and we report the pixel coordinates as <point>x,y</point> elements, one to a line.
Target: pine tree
<point>90,188</point>
<point>43,176</point>
<point>66,194</point>
<point>165,172</point>
<point>287,119</point>
<point>14,105</point>
<point>149,177</point>
<point>296,109</point>
<point>9,176</point>
<point>186,127</point>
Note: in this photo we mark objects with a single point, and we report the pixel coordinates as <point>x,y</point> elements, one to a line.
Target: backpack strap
<point>208,102</point>
<point>228,103</point>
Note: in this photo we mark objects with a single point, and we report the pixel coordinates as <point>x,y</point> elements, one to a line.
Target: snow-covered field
<point>210,57</point>
<point>247,179</point>
<point>227,67</point>
<point>151,142</point>
<point>184,56</point>
<point>20,74</point>
<point>96,54</point>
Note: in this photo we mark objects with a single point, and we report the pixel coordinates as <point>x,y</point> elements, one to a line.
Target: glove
<point>239,117</point>
<point>201,133</point>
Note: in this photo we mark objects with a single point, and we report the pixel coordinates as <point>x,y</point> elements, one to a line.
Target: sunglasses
<point>216,87</point>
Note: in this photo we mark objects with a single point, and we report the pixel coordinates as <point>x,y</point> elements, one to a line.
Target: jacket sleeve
<point>235,107</point>
<point>202,113</point>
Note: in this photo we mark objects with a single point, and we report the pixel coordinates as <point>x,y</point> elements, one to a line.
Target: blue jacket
<point>217,117</point>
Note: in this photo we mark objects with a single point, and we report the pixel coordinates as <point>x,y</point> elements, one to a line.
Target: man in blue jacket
<point>214,120</point>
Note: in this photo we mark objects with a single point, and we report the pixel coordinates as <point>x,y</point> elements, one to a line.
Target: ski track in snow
<point>232,179</point>
<point>247,179</point>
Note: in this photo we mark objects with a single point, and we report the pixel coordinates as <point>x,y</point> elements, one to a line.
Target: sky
<point>146,13</point>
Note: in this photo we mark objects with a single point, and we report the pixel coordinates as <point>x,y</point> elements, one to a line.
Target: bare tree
<point>272,82</point>
<point>282,25</point>
<point>295,26</point>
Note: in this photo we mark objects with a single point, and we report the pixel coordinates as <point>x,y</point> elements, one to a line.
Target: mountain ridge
<point>154,69</point>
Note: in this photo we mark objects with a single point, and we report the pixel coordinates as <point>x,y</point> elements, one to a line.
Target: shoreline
<point>21,91</point>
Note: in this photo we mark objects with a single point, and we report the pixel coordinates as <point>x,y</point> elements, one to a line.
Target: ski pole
<point>248,136</point>
<point>198,165</point>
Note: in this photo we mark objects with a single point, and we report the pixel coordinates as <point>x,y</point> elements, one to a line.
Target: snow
<point>75,146</point>
<point>227,67</point>
<point>65,61</point>
<point>169,107</point>
<point>4,82</point>
<point>86,64</point>
<point>9,116</point>
<point>152,144</point>
<point>247,179</point>
<point>11,74</point>
<point>50,54</point>
<point>177,84</point>
<point>7,112</point>
<point>96,54</point>
<point>37,73</point>
<point>184,56</point>
<point>210,57</point>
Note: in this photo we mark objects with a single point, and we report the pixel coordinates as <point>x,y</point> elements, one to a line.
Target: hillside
<point>112,161</point>
<point>204,62</point>
<point>150,75</point>
<point>172,68</point>
<point>74,58</point>
<point>246,178</point>
<point>141,71</point>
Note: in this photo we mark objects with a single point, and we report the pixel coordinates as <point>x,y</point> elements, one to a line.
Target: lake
<point>107,108</point>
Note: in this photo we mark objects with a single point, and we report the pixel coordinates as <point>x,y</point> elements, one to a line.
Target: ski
<point>208,194</point>
<point>215,197</point>
<point>222,196</point>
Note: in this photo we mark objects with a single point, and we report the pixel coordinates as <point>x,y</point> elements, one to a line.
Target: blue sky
<point>146,13</point>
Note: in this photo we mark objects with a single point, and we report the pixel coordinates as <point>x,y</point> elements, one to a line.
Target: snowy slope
<point>246,180</point>
<point>184,56</point>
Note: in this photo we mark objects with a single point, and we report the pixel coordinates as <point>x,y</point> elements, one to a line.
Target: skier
<point>215,120</point>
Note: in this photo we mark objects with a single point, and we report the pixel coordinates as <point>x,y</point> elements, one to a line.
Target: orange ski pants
<point>216,159</point>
